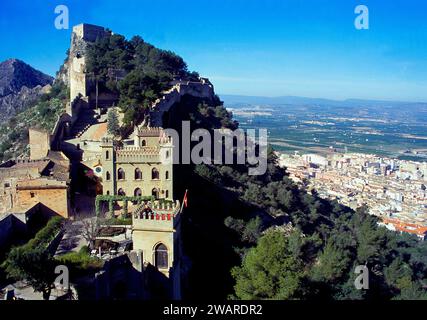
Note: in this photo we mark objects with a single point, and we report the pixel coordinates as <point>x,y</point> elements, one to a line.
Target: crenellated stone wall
<point>201,89</point>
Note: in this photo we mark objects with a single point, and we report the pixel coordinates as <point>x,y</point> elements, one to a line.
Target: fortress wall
<point>78,85</point>
<point>74,107</point>
<point>60,130</point>
<point>30,172</point>
<point>197,89</point>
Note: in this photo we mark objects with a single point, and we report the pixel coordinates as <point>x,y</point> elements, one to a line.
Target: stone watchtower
<point>79,80</point>
<point>156,235</point>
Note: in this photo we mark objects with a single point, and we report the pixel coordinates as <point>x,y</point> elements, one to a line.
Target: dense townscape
<point>394,190</point>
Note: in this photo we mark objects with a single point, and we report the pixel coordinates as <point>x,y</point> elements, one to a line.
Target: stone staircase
<point>87,118</point>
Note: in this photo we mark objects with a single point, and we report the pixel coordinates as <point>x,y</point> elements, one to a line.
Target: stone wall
<point>74,107</point>
<point>89,32</point>
<point>29,172</point>
<point>202,89</point>
<point>7,194</point>
<point>60,131</point>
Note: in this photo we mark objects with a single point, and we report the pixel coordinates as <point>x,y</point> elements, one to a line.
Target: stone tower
<point>79,80</point>
<point>39,143</point>
<point>108,167</point>
<point>156,235</point>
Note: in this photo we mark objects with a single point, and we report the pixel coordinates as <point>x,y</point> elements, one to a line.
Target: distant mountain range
<point>20,85</point>
<point>294,100</point>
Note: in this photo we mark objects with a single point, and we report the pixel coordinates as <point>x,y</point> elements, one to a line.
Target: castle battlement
<point>135,154</point>
<point>158,207</point>
<point>107,142</point>
<point>156,215</point>
<point>149,131</point>
<point>138,150</point>
<point>138,159</point>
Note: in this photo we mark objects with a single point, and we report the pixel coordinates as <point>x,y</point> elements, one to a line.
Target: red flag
<point>185,199</point>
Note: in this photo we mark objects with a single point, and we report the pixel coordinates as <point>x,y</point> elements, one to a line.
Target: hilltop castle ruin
<point>137,169</point>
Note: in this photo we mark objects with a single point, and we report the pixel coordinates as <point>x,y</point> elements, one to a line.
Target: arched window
<point>154,174</point>
<point>137,192</point>
<point>143,143</point>
<point>161,256</point>
<point>107,176</point>
<point>167,193</point>
<point>108,193</point>
<point>107,154</point>
<point>155,193</point>
<point>120,174</point>
<point>121,192</point>
<point>167,175</point>
<point>138,174</point>
<point>167,154</point>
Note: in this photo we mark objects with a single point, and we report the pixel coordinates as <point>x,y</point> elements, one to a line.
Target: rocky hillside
<point>20,86</point>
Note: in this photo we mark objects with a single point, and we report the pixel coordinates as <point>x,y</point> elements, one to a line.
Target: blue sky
<point>264,47</point>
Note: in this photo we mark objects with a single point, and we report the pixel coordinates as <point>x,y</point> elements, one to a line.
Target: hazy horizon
<point>321,98</point>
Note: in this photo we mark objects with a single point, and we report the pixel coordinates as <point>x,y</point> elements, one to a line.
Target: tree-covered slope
<point>263,237</point>
<point>43,113</point>
<point>147,72</point>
